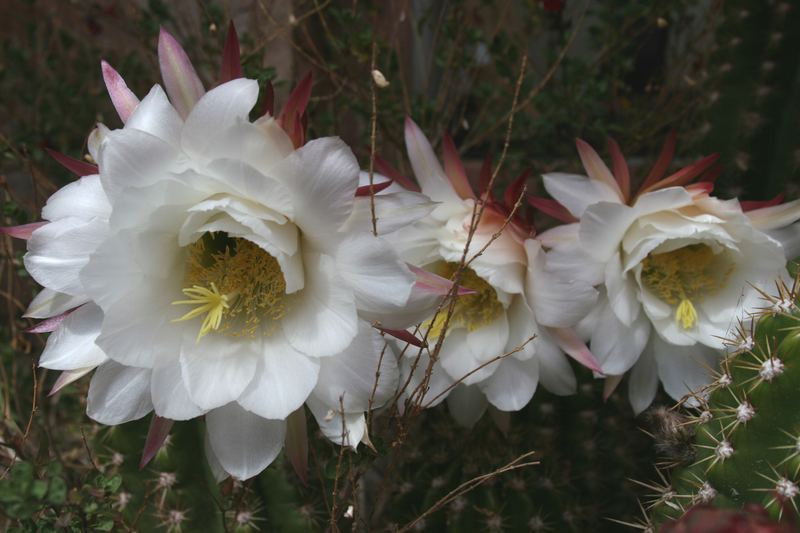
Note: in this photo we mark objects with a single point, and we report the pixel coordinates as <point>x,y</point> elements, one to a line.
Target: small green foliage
<point>38,499</point>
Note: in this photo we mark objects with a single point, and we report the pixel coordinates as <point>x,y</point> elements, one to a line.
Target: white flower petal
<point>775,217</point>
<point>643,382</point>
<point>253,188</point>
<point>170,397</point>
<point>661,200</point>
<point>617,346</point>
<point>489,341</point>
<point>215,370</point>
<point>322,176</point>
<point>351,375</point>
<point>156,116</point>
<point>460,360</point>
<point>603,226</point>
<point>71,346</point>
<point>59,250</point>
<point>684,369</point>
<point>576,193</point>
<point>557,301</point>
<point>243,443</point>
<point>571,262</point>
<point>522,326</point>
<point>621,291</point>
<point>133,158</point>
<point>428,171</point>
<point>282,382</point>
<point>261,145</point>
<point>83,198</point>
<point>49,303</point>
<point>466,404</point>
<point>393,211</point>
<point>513,384</point>
<point>119,394</point>
<point>218,109</point>
<point>323,319</point>
<point>380,280</point>
<point>508,278</point>
<point>347,432</point>
<point>137,316</point>
<point>555,372</point>
<point>135,262</point>
<point>214,465</point>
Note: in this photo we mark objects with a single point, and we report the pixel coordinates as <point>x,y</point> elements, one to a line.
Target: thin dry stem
<point>469,485</point>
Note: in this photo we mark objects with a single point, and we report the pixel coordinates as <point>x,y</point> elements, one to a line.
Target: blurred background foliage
<point>724,74</point>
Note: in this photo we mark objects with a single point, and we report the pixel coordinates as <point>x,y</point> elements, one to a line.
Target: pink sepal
<point>621,172</point>
<point>749,205</point>
<point>662,163</point>
<point>513,192</point>
<point>124,100</point>
<point>364,190</point>
<point>296,443</point>
<point>596,168</point>
<point>552,208</point>
<point>231,57</point>
<point>67,377</point>
<point>23,231</point>
<point>269,99</point>
<point>485,177</point>
<point>610,385</point>
<point>49,324</point>
<point>684,175</point>
<point>76,166</point>
<point>435,284</point>
<point>180,79</point>
<point>291,118</point>
<point>156,436</point>
<point>389,171</point>
<point>454,169</point>
<point>568,340</point>
<point>403,335</point>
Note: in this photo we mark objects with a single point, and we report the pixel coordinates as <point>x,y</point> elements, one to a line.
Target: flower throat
<point>684,276</point>
<point>234,285</point>
<point>471,311</point>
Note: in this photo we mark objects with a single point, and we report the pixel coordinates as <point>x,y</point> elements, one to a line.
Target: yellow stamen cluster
<point>684,276</point>
<point>471,311</point>
<point>238,286</point>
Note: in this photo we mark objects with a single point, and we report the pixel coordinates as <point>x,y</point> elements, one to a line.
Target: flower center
<point>471,311</point>
<point>684,276</point>
<point>234,285</point>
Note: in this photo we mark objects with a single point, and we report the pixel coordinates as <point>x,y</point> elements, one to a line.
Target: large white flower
<point>514,298</point>
<point>674,266</point>
<point>215,266</point>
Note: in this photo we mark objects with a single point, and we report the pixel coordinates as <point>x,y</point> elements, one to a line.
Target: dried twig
<point>519,462</point>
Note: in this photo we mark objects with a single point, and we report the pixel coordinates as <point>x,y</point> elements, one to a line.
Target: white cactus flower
<point>509,333</point>
<point>675,267</point>
<point>215,266</point>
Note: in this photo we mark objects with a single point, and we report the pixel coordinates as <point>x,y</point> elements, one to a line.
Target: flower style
<point>216,266</point>
<point>507,333</point>
<point>674,265</point>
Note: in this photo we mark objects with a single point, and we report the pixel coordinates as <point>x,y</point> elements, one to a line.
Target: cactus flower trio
<point>216,262</point>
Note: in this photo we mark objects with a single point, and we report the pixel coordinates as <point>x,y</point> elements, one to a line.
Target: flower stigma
<point>684,276</point>
<point>471,311</point>
<point>234,285</point>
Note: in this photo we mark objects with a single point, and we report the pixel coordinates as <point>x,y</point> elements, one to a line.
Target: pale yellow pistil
<point>686,314</point>
<point>207,302</point>
<point>684,276</point>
